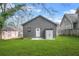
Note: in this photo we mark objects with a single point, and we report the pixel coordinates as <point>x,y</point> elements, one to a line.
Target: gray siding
<point>78,24</point>
<point>67,26</point>
<point>74,32</point>
<point>38,23</point>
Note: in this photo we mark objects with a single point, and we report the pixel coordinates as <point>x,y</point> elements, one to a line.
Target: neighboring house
<point>9,33</point>
<point>20,32</point>
<point>39,27</point>
<point>70,24</point>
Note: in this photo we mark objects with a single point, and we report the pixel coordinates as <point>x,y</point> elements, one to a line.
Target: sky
<point>59,8</point>
<point>63,9</point>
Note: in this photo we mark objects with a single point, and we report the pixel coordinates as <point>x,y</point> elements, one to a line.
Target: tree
<point>22,10</point>
<point>7,12</point>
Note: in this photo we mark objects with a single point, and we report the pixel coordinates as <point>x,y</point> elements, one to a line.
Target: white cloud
<point>38,10</point>
<point>55,19</point>
<point>29,8</point>
<point>58,19</point>
<point>71,11</point>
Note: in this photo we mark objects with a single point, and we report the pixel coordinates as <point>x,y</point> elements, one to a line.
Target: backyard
<point>61,46</point>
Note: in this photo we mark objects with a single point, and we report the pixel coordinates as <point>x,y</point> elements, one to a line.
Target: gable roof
<point>70,17</point>
<point>41,17</point>
<point>9,29</point>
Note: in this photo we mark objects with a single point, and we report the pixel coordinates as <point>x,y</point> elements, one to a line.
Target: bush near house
<point>63,45</point>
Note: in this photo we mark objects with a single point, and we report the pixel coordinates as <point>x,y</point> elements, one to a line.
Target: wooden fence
<point>70,32</point>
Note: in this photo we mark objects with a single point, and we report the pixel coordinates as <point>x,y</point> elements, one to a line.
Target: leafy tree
<point>6,13</point>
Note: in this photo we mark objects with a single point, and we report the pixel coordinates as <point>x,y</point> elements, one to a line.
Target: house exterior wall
<point>38,23</point>
<point>66,24</point>
<point>78,24</point>
<point>74,32</point>
<point>9,34</point>
<point>66,28</point>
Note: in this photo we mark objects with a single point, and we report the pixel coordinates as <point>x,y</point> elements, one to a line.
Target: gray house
<point>70,24</point>
<point>39,27</point>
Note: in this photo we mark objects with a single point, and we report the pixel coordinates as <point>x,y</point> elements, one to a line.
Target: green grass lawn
<point>63,45</point>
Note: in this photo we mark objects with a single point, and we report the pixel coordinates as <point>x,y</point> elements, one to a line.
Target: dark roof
<point>72,17</point>
<point>37,17</point>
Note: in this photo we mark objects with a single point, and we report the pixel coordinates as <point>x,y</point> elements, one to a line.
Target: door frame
<point>37,34</point>
<point>51,30</point>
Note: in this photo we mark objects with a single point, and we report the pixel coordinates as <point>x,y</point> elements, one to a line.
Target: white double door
<point>49,34</point>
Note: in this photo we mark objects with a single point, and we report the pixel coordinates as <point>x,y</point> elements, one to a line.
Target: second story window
<point>75,25</point>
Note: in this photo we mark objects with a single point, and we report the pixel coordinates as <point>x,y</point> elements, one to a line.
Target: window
<point>74,25</point>
<point>28,29</point>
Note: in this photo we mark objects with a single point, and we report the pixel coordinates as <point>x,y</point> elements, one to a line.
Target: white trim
<point>49,34</point>
<point>37,39</point>
<point>37,30</point>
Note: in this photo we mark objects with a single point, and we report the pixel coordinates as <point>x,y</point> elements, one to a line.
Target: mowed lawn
<point>62,45</point>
